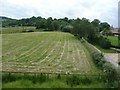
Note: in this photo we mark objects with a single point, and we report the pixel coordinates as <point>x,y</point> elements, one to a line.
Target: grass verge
<point>55,81</point>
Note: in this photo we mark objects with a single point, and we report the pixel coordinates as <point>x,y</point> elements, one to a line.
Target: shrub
<point>98,59</point>
<point>104,42</point>
<point>110,73</point>
<point>67,28</point>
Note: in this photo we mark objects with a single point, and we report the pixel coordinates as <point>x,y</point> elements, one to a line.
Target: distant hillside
<point>7,21</point>
<point>3,18</point>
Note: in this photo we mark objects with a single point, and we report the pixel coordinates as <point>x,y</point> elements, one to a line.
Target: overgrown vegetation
<point>15,80</point>
<point>110,73</point>
<point>104,42</point>
<point>106,67</point>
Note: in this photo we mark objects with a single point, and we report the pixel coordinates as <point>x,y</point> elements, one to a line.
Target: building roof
<point>114,30</point>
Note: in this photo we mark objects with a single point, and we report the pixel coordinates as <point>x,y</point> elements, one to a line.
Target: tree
<point>41,24</point>
<point>106,32</point>
<point>96,24</point>
<point>32,21</point>
<point>85,20</point>
<point>67,28</point>
<point>49,23</point>
<point>104,25</point>
<point>55,25</point>
<point>104,42</point>
<point>83,28</point>
<point>65,19</point>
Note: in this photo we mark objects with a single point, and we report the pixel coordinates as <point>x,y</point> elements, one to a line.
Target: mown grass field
<point>46,52</point>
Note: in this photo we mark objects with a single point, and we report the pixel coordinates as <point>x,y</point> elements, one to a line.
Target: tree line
<point>81,28</point>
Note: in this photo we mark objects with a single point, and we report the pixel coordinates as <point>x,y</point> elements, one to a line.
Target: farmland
<point>46,52</point>
<point>49,60</point>
<point>51,50</point>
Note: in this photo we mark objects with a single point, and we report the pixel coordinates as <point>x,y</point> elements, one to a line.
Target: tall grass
<point>18,80</point>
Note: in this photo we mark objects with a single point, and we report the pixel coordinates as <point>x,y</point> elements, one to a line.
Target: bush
<point>101,41</point>
<point>98,59</point>
<point>67,28</point>
<point>110,73</point>
<point>104,42</point>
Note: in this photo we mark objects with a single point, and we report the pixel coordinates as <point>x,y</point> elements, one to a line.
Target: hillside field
<point>46,52</point>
